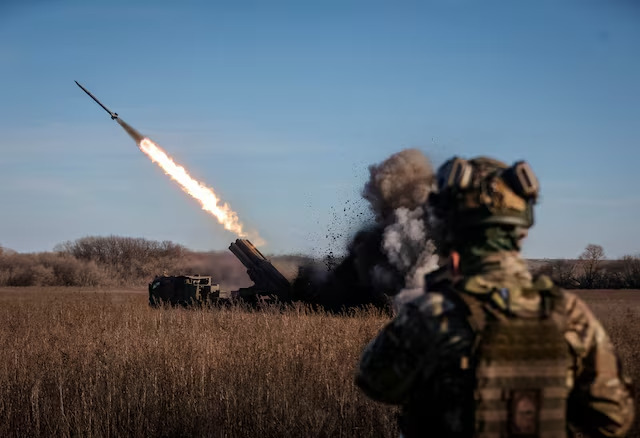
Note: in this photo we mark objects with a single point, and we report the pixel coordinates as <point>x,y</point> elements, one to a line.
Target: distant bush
<point>126,259</point>
<point>630,272</point>
<point>49,269</point>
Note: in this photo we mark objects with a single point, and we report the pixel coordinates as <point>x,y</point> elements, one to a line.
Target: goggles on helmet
<point>485,191</point>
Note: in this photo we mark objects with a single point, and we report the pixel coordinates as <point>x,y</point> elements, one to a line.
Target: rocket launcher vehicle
<point>266,278</point>
<point>268,283</point>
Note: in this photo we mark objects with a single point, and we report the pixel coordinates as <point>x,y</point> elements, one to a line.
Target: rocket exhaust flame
<point>203,194</point>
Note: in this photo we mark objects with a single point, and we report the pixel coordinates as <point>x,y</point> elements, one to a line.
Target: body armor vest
<point>521,362</point>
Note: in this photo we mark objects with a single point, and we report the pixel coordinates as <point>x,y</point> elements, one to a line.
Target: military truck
<point>183,290</point>
<point>186,290</point>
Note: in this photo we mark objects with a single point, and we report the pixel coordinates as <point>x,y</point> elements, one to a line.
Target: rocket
<point>113,115</point>
<point>137,137</point>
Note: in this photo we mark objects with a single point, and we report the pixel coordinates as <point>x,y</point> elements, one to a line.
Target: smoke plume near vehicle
<point>397,191</point>
<point>396,251</point>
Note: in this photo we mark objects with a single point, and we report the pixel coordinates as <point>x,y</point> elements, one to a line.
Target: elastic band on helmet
<point>456,173</point>
<point>523,180</point>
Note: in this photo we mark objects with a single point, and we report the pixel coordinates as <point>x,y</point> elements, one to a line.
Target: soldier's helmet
<point>483,192</point>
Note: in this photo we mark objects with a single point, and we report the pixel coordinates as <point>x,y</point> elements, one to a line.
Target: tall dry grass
<point>85,363</point>
<point>104,364</point>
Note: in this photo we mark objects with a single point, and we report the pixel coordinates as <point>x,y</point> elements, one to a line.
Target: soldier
<point>487,350</point>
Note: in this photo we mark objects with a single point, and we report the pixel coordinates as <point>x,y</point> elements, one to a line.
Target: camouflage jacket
<point>414,362</point>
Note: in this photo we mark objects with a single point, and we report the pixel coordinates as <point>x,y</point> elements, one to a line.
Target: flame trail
<point>203,194</point>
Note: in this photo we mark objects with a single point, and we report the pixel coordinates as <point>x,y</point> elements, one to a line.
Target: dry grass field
<point>83,362</point>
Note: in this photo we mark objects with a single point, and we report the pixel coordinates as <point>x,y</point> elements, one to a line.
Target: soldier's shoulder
<point>580,318</point>
<point>583,330</point>
<point>579,315</point>
<point>543,282</point>
<point>572,303</point>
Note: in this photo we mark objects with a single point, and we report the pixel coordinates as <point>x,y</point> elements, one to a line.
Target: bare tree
<point>563,273</point>
<point>630,271</point>
<point>591,263</point>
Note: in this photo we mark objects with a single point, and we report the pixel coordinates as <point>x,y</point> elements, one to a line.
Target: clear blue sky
<point>281,106</point>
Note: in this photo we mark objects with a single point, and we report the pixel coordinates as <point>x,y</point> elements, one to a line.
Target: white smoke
<point>397,191</point>
<point>408,247</point>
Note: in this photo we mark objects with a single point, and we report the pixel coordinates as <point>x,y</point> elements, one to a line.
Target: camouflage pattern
<point>416,360</point>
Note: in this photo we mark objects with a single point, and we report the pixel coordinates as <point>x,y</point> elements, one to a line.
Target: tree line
<point>592,270</point>
<point>115,261</point>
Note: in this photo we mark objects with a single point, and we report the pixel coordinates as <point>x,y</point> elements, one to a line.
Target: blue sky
<point>281,106</point>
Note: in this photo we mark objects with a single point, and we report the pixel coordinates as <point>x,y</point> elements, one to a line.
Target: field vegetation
<point>84,355</point>
<point>99,362</point>
<point>85,363</point>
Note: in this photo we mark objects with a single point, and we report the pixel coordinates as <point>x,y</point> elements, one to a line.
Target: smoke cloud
<point>397,251</point>
<point>405,179</point>
<point>408,246</point>
<point>397,191</point>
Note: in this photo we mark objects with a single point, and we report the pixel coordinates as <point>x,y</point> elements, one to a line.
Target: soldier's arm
<point>402,353</point>
<point>600,403</point>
